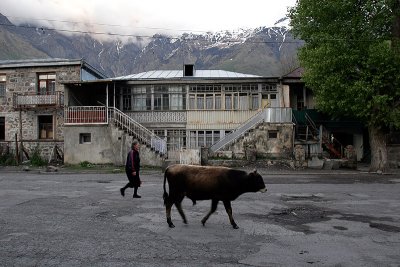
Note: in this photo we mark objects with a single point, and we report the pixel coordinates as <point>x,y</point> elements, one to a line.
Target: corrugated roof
<point>46,62</point>
<point>38,62</point>
<point>178,74</point>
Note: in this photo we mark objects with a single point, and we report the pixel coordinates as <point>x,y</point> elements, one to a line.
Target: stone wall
<point>259,144</point>
<point>24,80</point>
<point>394,156</point>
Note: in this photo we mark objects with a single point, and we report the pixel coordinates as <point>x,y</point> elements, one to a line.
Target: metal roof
<point>12,63</point>
<point>178,74</point>
<point>48,62</point>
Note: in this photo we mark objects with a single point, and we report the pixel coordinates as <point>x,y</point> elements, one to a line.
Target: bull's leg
<point>228,209</point>
<point>214,205</point>
<point>180,210</point>
<point>168,206</point>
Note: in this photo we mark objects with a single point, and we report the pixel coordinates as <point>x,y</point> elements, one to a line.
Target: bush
<point>86,164</point>
<point>8,159</point>
<point>36,159</point>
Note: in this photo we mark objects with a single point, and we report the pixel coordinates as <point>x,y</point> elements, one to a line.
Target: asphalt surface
<point>306,218</point>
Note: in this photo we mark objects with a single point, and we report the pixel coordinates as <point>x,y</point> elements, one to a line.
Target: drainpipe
<point>107,103</point>
<point>114,96</point>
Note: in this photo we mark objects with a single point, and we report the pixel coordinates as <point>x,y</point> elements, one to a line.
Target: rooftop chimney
<point>188,70</point>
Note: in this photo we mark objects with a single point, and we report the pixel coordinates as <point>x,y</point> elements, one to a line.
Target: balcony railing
<point>30,100</point>
<point>85,115</point>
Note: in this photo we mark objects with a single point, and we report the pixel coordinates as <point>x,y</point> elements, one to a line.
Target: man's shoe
<point>136,196</point>
<point>122,192</point>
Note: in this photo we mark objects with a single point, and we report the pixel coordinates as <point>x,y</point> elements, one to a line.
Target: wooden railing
<point>32,100</point>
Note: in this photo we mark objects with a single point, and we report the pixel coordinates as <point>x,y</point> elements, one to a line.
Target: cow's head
<point>256,182</point>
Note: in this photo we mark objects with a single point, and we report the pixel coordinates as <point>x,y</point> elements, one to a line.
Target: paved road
<point>317,219</point>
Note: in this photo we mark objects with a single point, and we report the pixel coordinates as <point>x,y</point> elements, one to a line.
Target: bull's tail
<point>165,195</point>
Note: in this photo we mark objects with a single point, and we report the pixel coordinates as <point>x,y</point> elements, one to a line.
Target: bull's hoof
<point>203,222</point>
<point>185,222</point>
<point>235,226</point>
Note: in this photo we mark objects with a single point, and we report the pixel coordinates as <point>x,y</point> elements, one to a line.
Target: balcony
<point>33,101</point>
<point>85,115</point>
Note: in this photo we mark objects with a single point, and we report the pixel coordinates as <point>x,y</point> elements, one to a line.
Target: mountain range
<point>265,51</point>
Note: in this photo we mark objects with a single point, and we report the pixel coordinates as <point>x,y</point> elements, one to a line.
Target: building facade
<point>181,110</point>
<point>32,103</point>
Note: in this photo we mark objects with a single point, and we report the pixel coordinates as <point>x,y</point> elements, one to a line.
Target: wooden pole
<point>16,148</point>
<point>20,135</point>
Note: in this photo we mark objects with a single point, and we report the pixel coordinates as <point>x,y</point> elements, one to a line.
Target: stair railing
<point>311,123</point>
<point>134,128</point>
<point>238,132</point>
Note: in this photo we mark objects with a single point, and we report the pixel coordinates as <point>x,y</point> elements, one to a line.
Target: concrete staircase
<point>137,131</point>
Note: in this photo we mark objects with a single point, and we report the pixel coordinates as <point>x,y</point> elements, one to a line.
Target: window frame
<point>83,138</point>
<point>3,85</point>
<point>46,126</point>
<point>49,79</point>
<point>2,128</point>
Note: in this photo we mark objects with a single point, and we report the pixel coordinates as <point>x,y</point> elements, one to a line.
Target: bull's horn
<point>255,170</point>
<point>263,190</point>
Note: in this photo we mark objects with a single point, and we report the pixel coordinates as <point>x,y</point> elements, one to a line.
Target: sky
<point>146,17</point>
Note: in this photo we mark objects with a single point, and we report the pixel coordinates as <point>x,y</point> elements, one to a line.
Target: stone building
<point>32,103</point>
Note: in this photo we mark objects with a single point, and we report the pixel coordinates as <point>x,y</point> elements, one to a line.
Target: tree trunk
<point>396,27</point>
<point>379,154</point>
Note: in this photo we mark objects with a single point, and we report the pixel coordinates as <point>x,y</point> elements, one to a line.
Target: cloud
<point>145,18</point>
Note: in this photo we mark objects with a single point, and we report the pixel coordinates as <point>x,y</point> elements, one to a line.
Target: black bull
<point>201,183</point>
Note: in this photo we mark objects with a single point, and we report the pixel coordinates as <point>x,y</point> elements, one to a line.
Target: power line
<point>105,24</point>
<point>137,36</point>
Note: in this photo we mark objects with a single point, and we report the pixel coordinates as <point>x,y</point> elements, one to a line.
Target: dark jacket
<point>133,165</point>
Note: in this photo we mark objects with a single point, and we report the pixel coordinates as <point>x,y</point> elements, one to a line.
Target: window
<point>216,136</point>
<point>2,128</point>
<point>200,101</point>
<point>209,138</point>
<point>45,123</point>
<point>244,101</point>
<point>161,98</point>
<point>140,98</point>
<point>177,101</point>
<point>255,104</point>
<point>47,84</point>
<point>218,100</point>
<point>192,101</point>
<point>3,80</point>
<point>85,138</point>
<point>228,101</point>
<point>126,99</point>
<point>209,101</point>
<point>299,102</point>
<point>203,138</point>
<point>272,134</point>
<point>193,139</point>
<point>176,139</point>
<point>269,88</point>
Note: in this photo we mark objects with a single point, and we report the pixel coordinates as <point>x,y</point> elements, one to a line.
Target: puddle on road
<point>297,197</point>
<point>298,217</point>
